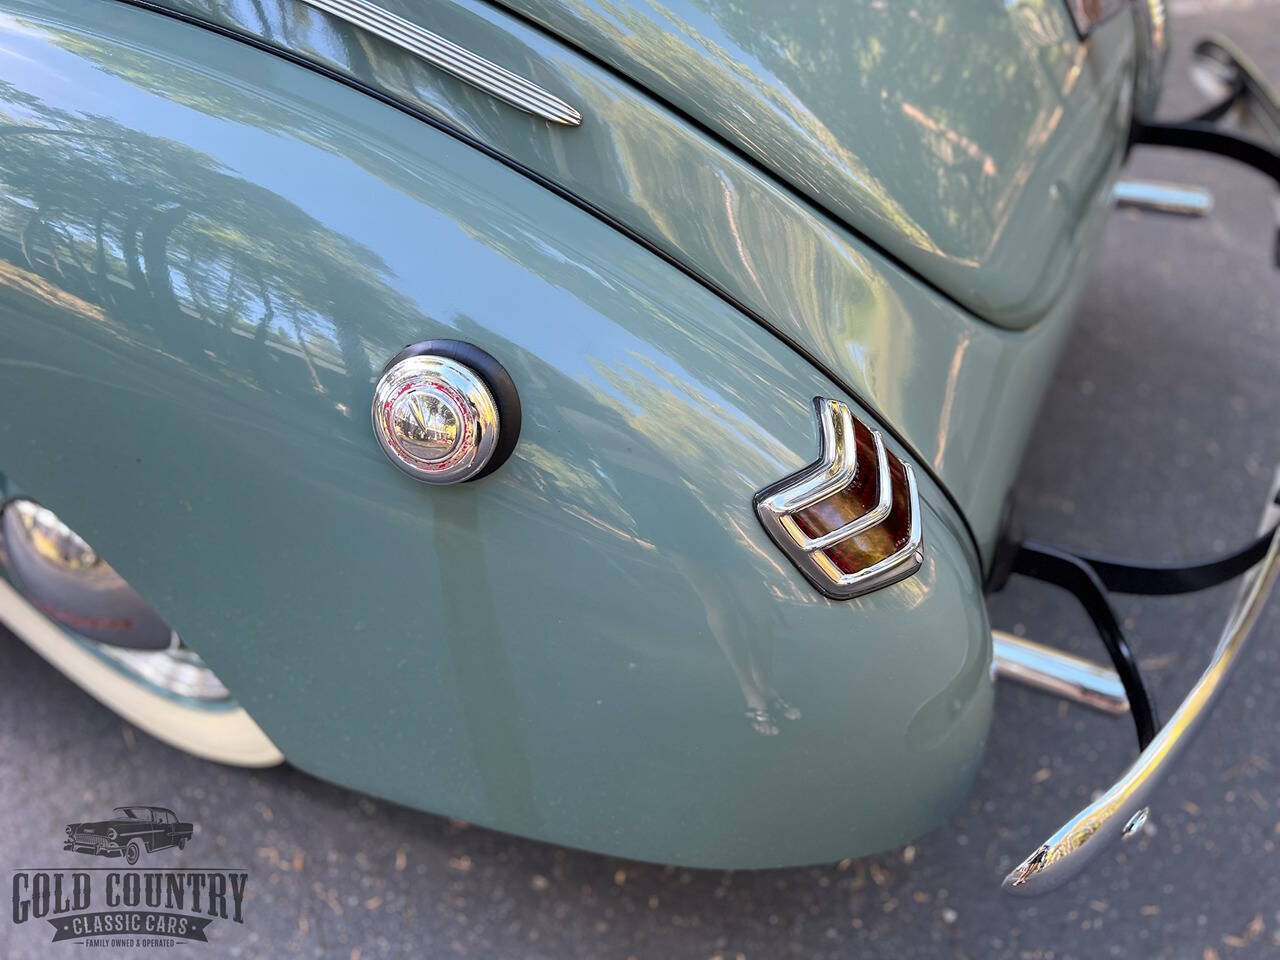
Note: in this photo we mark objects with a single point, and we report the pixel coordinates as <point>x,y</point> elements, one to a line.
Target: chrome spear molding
<point>454,60</point>
<point>850,521</point>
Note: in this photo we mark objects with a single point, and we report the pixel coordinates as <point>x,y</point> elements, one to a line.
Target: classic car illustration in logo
<point>129,833</point>
<point>144,907</point>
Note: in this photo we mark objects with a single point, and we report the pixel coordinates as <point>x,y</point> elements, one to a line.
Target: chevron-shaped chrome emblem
<point>850,521</point>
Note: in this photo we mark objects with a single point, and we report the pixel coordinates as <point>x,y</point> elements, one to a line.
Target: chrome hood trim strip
<point>453,59</point>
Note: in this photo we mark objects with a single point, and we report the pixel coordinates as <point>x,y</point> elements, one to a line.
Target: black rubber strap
<point>1207,138</point>
<point>1245,84</point>
<point>1164,581</point>
<point>1088,578</point>
<point>1225,55</point>
<point>1052,565</point>
<point>1216,111</point>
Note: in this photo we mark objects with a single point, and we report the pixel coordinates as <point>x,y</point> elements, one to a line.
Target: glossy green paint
<point>962,393</point>
<point>207,255</point>
<point>967,137</point>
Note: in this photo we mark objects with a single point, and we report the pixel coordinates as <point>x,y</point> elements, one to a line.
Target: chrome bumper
<point>101,846</point>
<point>1119,811</point>
<point>1123,807</point>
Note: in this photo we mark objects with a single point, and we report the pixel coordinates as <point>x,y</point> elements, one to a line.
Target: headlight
<point>111,833</point>
<point>69,831</point>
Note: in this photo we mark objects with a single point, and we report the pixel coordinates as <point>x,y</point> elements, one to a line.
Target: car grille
<point>92,839</point>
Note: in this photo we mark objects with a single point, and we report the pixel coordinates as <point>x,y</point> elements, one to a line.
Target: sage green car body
<point>968,138</point>
<point>208,251</point>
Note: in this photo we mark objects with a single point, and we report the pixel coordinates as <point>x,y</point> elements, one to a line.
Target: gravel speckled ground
<point>1158,439</point>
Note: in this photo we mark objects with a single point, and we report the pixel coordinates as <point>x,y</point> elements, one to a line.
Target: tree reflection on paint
<point>179,252</point>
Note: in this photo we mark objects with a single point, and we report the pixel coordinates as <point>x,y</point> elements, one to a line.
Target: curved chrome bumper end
<point>1122,809</point>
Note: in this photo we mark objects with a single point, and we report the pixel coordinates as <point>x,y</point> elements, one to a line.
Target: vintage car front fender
<point>207,255</point>
<point>960,392</point>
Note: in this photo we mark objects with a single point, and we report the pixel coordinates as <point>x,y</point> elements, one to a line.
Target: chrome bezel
<point>834,470</point>
<point>464,390</point>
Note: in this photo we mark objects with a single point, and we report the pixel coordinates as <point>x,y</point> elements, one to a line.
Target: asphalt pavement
<point>1158,439</point>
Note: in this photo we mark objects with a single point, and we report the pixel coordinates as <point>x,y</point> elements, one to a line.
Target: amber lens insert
<point>850,520</point>
<point>854,501</point>
<point>860,551</point>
